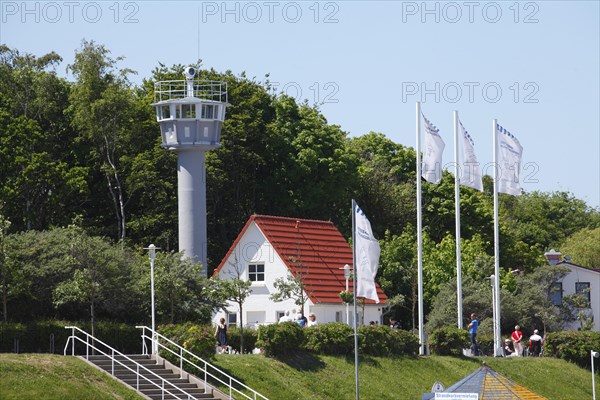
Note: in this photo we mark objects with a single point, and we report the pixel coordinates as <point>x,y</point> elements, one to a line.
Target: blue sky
<point>532,65</point>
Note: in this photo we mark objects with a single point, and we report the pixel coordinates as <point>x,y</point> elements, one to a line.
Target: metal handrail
<point>139,366</point>
<point>177,89</point>
<point>231,379</point>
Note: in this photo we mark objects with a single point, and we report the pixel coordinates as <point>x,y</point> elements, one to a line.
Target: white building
<point>581,280</point>
<point>271,247</point>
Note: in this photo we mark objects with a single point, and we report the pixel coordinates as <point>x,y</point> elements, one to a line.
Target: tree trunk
<point>4,297</point>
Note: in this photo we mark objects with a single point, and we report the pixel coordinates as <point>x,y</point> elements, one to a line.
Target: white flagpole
<point>354,293</point>
<point>497,172</point>
<point>419,235</point>
<point>457,208</point>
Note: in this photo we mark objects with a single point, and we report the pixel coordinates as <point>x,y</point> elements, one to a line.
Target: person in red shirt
<point>517,338</point>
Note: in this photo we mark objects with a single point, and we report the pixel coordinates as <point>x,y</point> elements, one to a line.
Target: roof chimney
<point>552,256</point>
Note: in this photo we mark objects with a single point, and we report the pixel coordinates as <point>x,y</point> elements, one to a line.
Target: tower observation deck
<point>190,114</point>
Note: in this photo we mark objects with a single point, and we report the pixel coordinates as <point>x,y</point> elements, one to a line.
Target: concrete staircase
<point>191,385</point>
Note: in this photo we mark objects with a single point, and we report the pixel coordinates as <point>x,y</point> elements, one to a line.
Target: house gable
<point>311,249</point>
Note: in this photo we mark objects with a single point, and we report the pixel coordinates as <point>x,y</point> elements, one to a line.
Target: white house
<point>270,247</point>
<point>580,280</point>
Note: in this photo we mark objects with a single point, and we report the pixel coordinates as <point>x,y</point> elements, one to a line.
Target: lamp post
<point>152,252</point>
<point>593,354</point>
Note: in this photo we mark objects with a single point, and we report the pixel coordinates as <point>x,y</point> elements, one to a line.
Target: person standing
<point>473,326</point>
<point>221,335</point>
<point>517,338</point>
<point>312,320</point>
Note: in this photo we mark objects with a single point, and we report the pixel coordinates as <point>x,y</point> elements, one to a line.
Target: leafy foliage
<point>572,346</point>
<point>280,339</point>
<point>448,340</point>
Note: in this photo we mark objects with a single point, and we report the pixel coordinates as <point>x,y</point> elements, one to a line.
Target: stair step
<point>159,395</point>
<point>131,375</point>
<point>145,385</point>
<point>136,357</point>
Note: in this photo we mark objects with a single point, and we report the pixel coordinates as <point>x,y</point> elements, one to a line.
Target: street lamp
<point>593,354</point>
<point>152,252</point>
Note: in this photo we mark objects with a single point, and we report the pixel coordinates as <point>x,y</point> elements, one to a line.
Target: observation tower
<point>191,113</point>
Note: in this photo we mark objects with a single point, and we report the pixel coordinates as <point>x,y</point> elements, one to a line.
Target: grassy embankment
<point>42,376</point>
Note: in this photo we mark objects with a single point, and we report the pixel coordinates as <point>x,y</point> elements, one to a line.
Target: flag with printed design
<point>433,147</point>
<point>470,174</point>
<point>367,253</point>
<point>508,156</point>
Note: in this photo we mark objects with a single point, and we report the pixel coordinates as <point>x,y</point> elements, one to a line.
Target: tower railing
<point>234,386</point>
<point>204,90</point>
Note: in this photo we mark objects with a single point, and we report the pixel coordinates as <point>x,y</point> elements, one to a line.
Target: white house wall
<point>253,247</point>
<point>579,274</point>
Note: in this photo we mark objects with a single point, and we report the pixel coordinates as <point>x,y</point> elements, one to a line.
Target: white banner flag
<point>509,153</point>
<point>367,257</point>
<point>471,174</point>
<point>433,147</point>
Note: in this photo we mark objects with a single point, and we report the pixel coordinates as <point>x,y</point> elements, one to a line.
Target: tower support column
<point>191,191</point>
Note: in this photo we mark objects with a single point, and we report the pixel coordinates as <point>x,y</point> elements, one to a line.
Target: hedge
<point>573,346</point>
<point>448,340</point>
<point>51,336</point>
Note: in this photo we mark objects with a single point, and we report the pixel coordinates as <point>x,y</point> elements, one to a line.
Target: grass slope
<point>45,376</point>
<point>309,377</point>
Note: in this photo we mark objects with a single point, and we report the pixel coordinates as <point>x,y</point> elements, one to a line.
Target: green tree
<point>103,109</point>
<point>100,278</point>
<point>41,177</point>
<point>583,247</point>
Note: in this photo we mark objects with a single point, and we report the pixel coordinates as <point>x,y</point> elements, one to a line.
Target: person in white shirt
<point>535,344</point>
<point>312,320</point>
<point>286,317</point>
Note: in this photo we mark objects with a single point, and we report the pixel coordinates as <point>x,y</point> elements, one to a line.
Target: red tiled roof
<point>313,249</point>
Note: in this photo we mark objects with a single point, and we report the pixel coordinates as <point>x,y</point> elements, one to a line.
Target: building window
<point>583,288</point>
<point>231,319</point>
<point>556,293</point>
<point>278,315</point>
<point>338,316</point>
<point>256,272</point>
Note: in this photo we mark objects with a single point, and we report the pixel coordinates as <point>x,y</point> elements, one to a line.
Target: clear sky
<point>533,65</point>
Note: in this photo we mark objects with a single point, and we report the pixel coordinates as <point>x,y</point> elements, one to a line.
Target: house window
<point>338,316</point>
<point>556,293</point>
<point>278,315</point>
<point>256,272</point>
<point>231,319</point>
<point>583,288</point>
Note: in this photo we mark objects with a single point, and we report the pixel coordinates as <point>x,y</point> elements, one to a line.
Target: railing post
<point>163,389</point>
<point>138,377</point>
<point>87,347</point>
<point>73,342</point>
<point>181,363</point>
<point>113,361</point>
<point>230,389</point>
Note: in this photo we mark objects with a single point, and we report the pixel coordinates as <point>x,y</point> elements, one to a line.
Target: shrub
<point>402,342</point>
<point>50,336</point>
<point>573,346</point>
<point>334,338</point>
<point>197,339</point>
<point>280,339</point>
<point>374,340</point>
<point>250,337</point>
<point>448,340</point>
